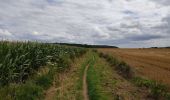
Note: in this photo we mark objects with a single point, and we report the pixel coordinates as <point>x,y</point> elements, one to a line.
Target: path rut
<point>85,86</point>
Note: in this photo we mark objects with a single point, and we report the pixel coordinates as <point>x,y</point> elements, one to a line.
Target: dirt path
<point>85,88</point>
<point>67,85</point>
<point>50,93</point>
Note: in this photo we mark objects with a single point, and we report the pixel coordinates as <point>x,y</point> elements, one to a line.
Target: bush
<point>157,90</point>
<point>124,69</point>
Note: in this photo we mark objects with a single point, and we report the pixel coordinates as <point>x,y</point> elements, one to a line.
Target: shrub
<point>124,69</point>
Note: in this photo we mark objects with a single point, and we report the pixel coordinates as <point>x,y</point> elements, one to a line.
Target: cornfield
<point>18,60</point>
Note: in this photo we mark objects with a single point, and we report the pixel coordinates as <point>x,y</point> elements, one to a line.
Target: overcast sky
<point>123,23</point>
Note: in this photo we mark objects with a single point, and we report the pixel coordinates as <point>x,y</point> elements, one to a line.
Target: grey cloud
<point>164,27</point>
<point>134,25</point>
<point>90,21</point>
<point>167,24</point>
<point>164,2</point>
<point>145,37</point>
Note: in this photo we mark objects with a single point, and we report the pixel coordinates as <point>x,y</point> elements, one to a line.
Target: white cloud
<point>113,22</point>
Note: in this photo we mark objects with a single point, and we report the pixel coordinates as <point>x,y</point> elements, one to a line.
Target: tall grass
<point>18,60</point>
<point>122,67</point>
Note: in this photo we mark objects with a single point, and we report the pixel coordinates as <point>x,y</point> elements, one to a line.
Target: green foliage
<point>28,91</point>
<point>44,81</point>
<point>99,78</point>
<point>157,90</point>
<point>122,67</point>
<point>93,80</point>
<point>20,59</point>
<point>167,95</point>
<point>10,90</point>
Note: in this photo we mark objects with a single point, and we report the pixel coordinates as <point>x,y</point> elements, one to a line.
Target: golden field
<point>150,63</point>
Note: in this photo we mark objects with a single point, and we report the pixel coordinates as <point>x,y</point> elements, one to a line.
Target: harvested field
<point>150,63</point>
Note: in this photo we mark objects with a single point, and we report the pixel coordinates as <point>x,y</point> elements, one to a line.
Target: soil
<point>85,88</point>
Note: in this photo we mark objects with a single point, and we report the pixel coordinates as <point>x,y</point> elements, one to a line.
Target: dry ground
<point>65,84</point>
<point>151,63</point>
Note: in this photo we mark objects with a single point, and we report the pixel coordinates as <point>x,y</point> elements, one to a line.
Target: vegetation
<point>87,46</point>
<point>21,60</point>
<point>29,69</point>
<point>122,68</point>
<point>70,86</point>
<point>99,78</point>
<point>151,63</point>
<point>157,90</point>
<point>81,73</point>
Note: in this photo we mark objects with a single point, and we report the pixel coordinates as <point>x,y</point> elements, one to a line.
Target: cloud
<point>164,2</point>
<point>112,22</point>
<point>145,37</point>
<point>5,34</point>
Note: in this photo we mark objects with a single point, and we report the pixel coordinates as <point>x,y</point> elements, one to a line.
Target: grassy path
<point>104,83</point>
<point>69,85</point>
<point>92,78</point>
<point>100,79</point>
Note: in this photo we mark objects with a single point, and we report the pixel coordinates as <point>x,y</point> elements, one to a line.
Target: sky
<point>123,23</point>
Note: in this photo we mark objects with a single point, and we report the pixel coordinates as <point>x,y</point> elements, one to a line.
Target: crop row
<point>18,60</point>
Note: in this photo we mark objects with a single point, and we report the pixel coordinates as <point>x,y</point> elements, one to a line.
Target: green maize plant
<point>20,59</point>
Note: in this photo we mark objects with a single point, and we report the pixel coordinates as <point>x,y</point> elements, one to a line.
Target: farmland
<point>23,67</point>
<point>150,63</point>
<point>40,71</point>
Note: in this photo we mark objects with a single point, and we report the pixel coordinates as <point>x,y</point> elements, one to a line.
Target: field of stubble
<point>150,63</point>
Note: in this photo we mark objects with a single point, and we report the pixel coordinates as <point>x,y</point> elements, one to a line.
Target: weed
<point>157,90</point>
<point>122,67</point>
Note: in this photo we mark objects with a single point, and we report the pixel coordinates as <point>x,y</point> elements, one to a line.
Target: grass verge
<point>99,79</point>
